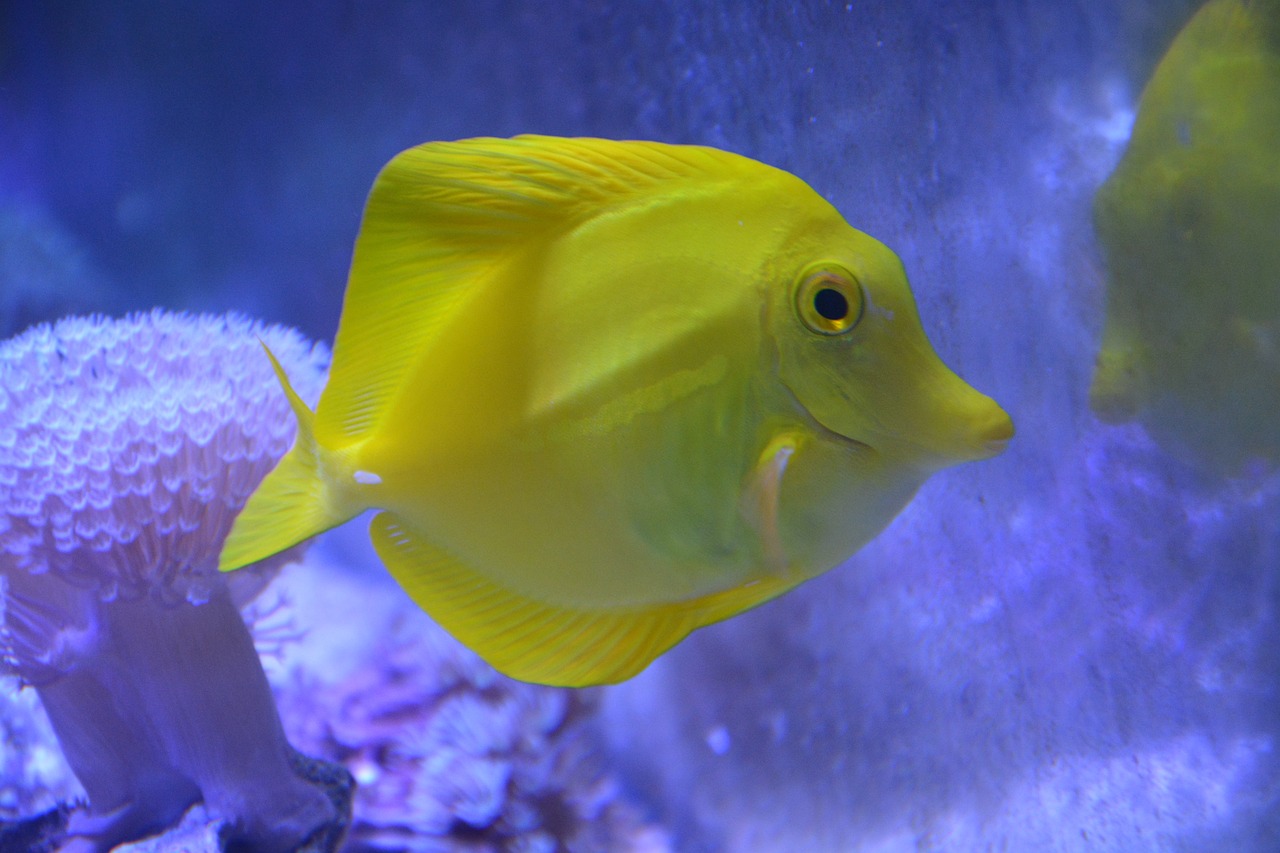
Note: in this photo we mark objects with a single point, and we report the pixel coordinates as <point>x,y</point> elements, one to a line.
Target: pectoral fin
<point>762,496</point>
<point>547,643</point>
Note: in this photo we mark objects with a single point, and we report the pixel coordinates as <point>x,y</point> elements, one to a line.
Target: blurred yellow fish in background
<point>605,393</point>
<point>1190,225</point>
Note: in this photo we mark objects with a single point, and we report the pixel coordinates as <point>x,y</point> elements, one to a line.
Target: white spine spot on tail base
<point>367,478</point>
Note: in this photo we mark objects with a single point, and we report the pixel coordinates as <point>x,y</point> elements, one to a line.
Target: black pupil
<point>831,304</point>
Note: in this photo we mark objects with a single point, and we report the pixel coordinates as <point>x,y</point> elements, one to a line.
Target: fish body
<point>607,392</point>
<point>1189,222</point>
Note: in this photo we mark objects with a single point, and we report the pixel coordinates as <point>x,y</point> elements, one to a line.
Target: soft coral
<point>126,448</point>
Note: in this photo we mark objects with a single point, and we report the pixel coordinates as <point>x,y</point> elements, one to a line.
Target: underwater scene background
<point>1072,646</point>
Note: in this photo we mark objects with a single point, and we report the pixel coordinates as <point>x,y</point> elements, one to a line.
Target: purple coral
<point>126,448</point>
<point>453,757</point>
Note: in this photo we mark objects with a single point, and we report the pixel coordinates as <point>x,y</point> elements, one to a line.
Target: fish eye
<point>829,300</point>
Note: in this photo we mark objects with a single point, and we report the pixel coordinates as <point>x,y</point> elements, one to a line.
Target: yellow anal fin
<point>293,502</point>
<point>545,643</point>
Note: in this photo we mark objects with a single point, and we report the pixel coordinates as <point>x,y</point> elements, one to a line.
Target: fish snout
<point>991,433</point>
<point>970,426</point>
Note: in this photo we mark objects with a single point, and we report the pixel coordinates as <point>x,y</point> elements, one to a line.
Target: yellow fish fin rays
<point>293,502</point>
<point>545,643</point>
<point>444,218</point>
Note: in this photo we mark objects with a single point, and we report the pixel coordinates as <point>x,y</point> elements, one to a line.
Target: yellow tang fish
<point>605,393</point>
<point>1190,222</point>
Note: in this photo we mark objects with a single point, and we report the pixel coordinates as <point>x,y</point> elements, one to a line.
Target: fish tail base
<point>294,502</point>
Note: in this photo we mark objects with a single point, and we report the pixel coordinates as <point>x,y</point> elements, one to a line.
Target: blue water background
<point>1071,647</point>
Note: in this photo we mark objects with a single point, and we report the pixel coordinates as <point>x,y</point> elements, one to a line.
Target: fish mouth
<point>990,436</point>
<point>994,447</point>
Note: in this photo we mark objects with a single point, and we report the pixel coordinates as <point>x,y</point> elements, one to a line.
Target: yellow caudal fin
<point>445,218</point>
<point>543,643</point>
<point>294,502</point>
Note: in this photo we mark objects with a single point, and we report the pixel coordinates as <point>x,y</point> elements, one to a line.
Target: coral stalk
<point>126,448</point>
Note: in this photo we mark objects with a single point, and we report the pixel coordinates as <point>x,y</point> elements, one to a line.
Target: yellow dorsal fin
<point>444,216</point>
<point>544,643</point>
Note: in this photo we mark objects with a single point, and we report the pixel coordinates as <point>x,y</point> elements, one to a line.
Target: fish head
<point>852,354</point>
